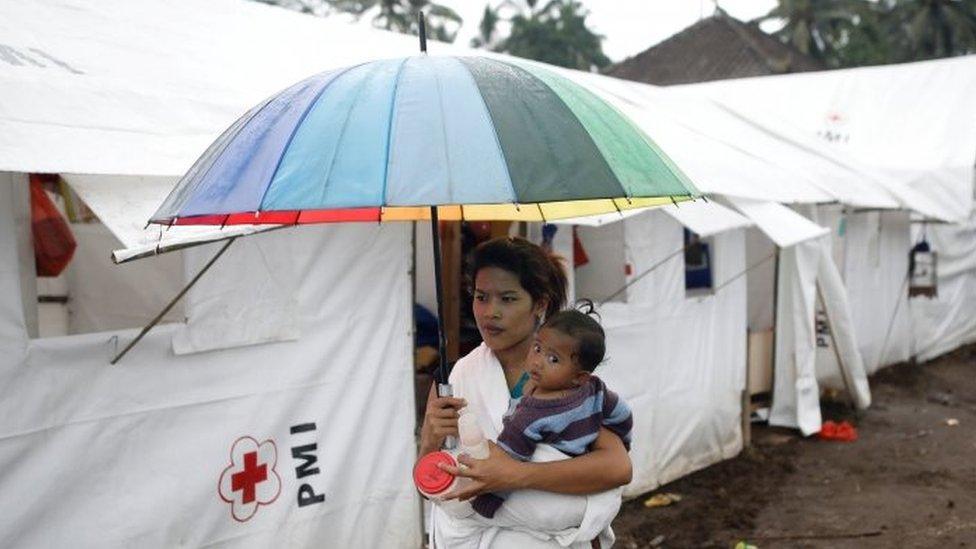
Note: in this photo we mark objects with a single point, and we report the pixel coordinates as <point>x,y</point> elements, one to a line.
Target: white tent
<point>909,121</point>
<point>176,85</point>
<point>749,166</point>
<point>149,438</point>
<point>124,107</point>
<point>287,341</point>
<point>678,357</point>
<point>914,123</point>
<point>117,94</point>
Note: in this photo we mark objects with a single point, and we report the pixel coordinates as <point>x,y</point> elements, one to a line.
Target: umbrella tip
<point>422,26</point>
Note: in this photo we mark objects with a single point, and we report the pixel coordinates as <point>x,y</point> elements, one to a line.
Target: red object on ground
<point>839,432</point>
<point>54,245</point>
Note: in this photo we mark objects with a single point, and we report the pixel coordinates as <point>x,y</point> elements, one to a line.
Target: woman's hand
<point>604,467</point>
<point>440,420</point>
<point>497,473</point>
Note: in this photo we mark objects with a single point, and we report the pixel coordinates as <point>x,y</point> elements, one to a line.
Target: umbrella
<point>426,137</point>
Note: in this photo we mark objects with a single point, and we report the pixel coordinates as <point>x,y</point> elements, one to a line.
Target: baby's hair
<point>581,324</point>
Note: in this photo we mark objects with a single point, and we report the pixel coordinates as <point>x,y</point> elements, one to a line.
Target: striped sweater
<point>570,424</point>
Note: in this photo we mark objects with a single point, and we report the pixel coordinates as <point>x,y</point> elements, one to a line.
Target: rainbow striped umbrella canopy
<point>476,137</point>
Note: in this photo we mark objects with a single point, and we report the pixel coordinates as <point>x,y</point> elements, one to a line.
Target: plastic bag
<point>54,245</point>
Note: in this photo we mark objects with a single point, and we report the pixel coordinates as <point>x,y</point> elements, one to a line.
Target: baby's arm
<point>617,416</point>
<point>517,438</point>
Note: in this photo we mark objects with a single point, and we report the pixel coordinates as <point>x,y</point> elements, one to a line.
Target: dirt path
<point>909,481</point>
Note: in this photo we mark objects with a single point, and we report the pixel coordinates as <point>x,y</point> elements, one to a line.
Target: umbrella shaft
<point>435,235</point>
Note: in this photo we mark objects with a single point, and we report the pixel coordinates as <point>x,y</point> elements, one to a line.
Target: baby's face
<point>552,364</point>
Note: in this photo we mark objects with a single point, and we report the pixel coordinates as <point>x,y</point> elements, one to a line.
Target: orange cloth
<point>840,432</point>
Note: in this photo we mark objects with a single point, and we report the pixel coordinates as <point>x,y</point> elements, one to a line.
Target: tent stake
<point>173,302</point>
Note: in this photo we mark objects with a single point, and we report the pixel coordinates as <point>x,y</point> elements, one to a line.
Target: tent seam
<point>494,131</point>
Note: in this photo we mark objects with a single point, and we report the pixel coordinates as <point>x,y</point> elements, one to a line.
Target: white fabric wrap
<point>528,518</point>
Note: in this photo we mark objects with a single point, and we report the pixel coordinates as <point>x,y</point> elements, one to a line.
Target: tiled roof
<point>715,48</point>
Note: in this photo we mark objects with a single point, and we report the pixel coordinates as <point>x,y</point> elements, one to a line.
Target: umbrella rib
<point>389,130</point>
<point>617,206</point>
<point>342,134</point>
<point>494,133</point>
<point>213,152</point>
<point>294,130</point>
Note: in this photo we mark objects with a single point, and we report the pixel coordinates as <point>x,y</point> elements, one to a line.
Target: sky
<point>630,26</point>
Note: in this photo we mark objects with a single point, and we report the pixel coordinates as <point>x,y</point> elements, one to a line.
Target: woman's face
<point>503,310</point>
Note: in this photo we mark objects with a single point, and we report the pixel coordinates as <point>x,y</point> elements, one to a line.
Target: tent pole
<point>649,270</point>
<point>833,345</point>
<point>772,377</point>
<point>173,302</point>
<point>891,322</point>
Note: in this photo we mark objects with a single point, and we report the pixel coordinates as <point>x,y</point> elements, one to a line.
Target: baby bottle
<point>435,483</point>
<point>473,441</point>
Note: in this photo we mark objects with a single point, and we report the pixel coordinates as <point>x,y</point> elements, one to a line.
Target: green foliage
<point>934,28</point>
<point>850,33</point>
<point>395,15</point>
<point>555,33</point>
<point>486,29</point>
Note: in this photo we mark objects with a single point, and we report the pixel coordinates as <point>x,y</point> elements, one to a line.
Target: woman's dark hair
<point>541,273</point>
<point>582,325</point>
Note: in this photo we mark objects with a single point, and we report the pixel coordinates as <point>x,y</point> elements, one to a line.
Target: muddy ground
<point>909,481</point>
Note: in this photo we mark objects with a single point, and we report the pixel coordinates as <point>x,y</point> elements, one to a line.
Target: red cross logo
<point>250,480</point>
<point>836,118</point>
<point>247,479</point>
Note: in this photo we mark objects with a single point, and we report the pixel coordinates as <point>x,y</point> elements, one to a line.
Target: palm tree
<point>556,33</point>
<point>935,28</point>
<point>313,7</point>
<point>396,15</point>
<point>486,29</point>
<point>401,15</point>
<point>818,27</point>
<point>869,41</point>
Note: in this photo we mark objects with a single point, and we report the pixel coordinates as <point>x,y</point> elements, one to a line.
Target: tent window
<point>70,285</point>
<point>698,263</point>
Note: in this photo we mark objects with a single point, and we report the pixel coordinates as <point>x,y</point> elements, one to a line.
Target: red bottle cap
<point>429,478</point>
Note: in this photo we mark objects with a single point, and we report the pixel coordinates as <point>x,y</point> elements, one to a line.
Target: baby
<point>564,405</point>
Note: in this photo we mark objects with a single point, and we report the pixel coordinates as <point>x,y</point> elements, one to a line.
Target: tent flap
<point>125,203</point>
<point>701,216</point>
<point>781,224</point>
<point>707,218</point>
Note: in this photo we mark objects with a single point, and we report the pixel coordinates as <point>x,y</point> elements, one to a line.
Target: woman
<point>516,283</point>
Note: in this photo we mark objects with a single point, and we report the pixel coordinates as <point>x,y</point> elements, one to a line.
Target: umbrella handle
<point>446,390</point>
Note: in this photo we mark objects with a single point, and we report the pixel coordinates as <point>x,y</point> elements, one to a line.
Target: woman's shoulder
<point>480,357</point>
